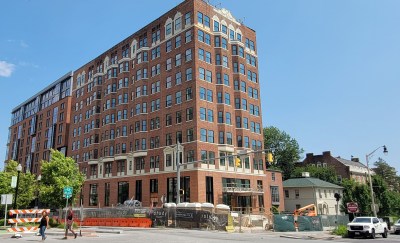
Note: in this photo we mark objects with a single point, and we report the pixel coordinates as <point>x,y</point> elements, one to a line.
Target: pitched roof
<point>308,182</point>
<point>349,162</point>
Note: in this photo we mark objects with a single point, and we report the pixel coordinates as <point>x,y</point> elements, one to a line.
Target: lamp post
<point>38,184</point>
<point>368,156</point>
<point>19,169</point>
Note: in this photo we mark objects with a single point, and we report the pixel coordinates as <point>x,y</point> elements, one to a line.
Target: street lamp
<point>38,184</point>
<point>19,169</point>
<point>368,156</point>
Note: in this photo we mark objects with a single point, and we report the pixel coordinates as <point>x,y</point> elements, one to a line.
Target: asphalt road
<point>184,236</point>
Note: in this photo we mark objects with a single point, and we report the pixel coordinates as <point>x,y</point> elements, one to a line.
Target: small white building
<point>300,192</point>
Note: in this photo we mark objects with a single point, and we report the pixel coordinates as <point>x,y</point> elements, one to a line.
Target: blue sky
<point>329,70</point>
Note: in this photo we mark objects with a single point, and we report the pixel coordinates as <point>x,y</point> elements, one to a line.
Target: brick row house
<point>189,77</point>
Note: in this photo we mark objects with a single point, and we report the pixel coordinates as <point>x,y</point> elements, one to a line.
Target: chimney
<point>309,155</point>
<point>355,159</point>
<point>326,153</point>
<point>305,174</point>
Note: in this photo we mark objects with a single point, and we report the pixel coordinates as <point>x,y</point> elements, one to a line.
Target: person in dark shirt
<point>70,221</point>
<point>44,222</point>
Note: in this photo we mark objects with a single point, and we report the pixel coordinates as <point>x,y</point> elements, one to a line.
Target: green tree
<point>356,192</point>
<point>387,173</point>
<point>26,188</point>
<point>323,173</point>
<point>58,173</point>
<point>386,199</point>
<point>285,150</point>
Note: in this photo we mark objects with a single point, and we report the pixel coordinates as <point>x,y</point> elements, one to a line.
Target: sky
<point>329,70</point>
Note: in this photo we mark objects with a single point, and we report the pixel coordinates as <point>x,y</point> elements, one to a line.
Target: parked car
<point>396,227</point>
<point>367,226</point>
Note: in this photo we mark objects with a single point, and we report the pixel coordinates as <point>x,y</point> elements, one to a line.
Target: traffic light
<point>337,196</point>
<point>270,158</point>
<point>237,162</point>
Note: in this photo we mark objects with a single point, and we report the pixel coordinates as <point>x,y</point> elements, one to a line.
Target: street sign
<point>67,192</point>
<point>6,199</point>
<point>13,182</point>
<point>352,207</point>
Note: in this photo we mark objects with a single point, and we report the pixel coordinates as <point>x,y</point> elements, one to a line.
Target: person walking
<point>70,221</point>
<point>44,222</point>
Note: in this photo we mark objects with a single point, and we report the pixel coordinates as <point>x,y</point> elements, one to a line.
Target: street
<point>185,236</point>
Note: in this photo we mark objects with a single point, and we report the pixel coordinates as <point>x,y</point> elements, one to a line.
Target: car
<point>396,227</point>
<point>367,226</point>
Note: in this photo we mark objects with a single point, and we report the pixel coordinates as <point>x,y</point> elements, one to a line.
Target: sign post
<point>6,199</point>
<point>67,193</point>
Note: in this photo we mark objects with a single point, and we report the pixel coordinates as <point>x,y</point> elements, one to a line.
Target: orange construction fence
<point>117,222</point>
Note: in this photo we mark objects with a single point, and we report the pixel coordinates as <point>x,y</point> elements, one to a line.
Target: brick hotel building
<point>190,77</point>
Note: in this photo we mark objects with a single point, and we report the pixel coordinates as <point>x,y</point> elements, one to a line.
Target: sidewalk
<point>293,235</point>
<point>92,232</point>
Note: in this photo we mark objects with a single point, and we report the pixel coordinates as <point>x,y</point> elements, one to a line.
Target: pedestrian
<point>70,221</point>
<point>44,222</point>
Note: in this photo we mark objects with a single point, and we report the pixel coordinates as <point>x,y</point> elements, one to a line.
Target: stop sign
<point>352,207</point>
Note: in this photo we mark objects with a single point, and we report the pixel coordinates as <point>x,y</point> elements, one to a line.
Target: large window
<point>107,194</point>
<point>93,195</point>
<point>153,185</point>
<point>138,191</point>
<point>123,191</point>
<point>171,189</point>
<point>209,189</point>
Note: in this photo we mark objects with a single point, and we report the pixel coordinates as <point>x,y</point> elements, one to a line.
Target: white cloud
<point>6,69</point>
<point>23,44</point>
<point>28,64</point>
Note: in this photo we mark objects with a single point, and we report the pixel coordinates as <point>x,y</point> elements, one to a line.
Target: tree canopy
<point>285,149</point>
<point>26,188</point>
<point>356,192</point>
<point>58,173</point>
<point>323,173</point>
<point>387,173</point>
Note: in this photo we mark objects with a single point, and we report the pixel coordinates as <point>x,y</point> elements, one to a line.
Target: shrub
<point>340,230</point>
<point>53,223</point>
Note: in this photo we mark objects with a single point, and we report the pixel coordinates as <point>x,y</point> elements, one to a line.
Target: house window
<point>275,195</point>
<point>286,193</point>
<point>273,176</point>
<point>297,193</point>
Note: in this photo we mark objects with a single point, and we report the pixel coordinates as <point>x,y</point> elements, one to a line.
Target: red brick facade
<point>189,76</point>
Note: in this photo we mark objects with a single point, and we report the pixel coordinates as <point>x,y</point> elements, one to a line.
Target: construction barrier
<point>18,219</point>
<point>23,229</point>
<point>118,222</point>
<point>28,211</point>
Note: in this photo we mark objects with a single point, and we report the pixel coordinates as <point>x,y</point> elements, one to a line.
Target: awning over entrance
<point>242,191</point>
